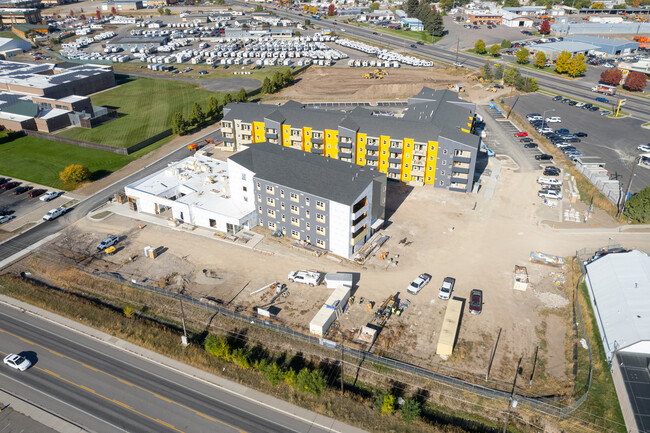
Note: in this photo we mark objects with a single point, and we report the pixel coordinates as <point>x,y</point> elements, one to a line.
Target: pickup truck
<point>54,214</point>
<point>306,277</point>
<point>549,181</point>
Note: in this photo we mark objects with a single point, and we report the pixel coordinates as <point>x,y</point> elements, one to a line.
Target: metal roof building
<point>619,285</point>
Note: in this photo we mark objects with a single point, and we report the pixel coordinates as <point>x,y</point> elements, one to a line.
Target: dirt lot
<point>348,84</point>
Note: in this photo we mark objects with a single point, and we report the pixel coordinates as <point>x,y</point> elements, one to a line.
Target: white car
<point>545,130</point>
<point>550,194</point>
<point>305,277</point>
<point>50,195</point>
<point>446,288</point>
<point>553,120</point>
<point>644,147</point>
<point>549,181</point>
<point>54,214</point>
<point>580,104</point>
<point>18,362</point>
<point>418,283</point>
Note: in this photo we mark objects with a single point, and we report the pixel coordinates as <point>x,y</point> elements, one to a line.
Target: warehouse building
<point>618,286</point>
<point>122,5</point>
<point>625,28</point>
<point>321,202</point>
<point>431,144</point>
<point>137,42</point>
<point>10,46</point>
<point>606,46</point>
<point>20,16</point>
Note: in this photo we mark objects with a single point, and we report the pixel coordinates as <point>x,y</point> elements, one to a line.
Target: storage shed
<point>334,280</point>
<point>327,314</point>
<point>449,328</point>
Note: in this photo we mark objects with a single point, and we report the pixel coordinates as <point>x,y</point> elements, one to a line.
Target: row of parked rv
<point>384,55</point>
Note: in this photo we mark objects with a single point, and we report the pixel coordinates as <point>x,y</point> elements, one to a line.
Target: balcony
<point>420,152</point>
<point>462,159</point>
<point>358,235</point>
<point>356,224</point>
<point>458,179</point>
<point>372,147</point>
<point>417,172</point>
<point>271,136</point>
<point>372,157</point>
<point>317,150</point>
<point>345,155</point>
<point>394,170</point>
<point>343,144</point>
<point>458,188</point>
<point>228,139</point>
<point>395,160</point>
<point>315,140</point>
<point>395,149</point>
<point>458,169</point>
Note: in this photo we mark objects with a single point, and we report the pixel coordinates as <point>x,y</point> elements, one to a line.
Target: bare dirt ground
<point>348,84</point>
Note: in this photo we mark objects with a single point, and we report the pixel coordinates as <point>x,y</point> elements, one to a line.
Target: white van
<point>553,119</point>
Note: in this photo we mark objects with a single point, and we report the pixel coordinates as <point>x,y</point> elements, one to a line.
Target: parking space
<point>22,208</point>
<point>610,141</point>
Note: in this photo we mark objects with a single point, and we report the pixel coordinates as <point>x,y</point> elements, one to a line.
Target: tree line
<point>428,14</point>
<point>198,116</point>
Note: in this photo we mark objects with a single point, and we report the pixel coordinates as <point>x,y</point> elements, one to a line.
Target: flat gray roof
<point>636,378</point>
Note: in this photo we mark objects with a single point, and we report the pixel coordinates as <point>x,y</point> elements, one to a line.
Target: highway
<point>637,107</point>
<point>105,389</point>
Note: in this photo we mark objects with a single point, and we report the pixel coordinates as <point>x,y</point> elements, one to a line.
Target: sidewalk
<point>241,391</point>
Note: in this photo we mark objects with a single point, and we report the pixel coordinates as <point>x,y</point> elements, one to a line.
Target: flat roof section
<point>636,378</point>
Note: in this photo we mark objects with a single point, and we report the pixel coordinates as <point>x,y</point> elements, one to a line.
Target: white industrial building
<point>10,46</point>
<point>619,288</point>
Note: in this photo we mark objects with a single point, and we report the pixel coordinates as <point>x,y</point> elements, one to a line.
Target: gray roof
<point>619,287</point>
<point>572,47</point>
<point>328,178</point>
<point>636,378</point>
<point>600,41</point>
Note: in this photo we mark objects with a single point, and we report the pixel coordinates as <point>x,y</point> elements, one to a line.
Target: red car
<point>521,134</point>
<point>476,301</point>
<point>36,192</point>
<point>10,185</point>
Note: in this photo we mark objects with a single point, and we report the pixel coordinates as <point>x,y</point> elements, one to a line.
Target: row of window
<point>271,213</point>
<point>294,233</point>
<point>293,196</point>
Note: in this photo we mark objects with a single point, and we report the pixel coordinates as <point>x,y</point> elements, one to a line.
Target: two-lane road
<point>106,389</point>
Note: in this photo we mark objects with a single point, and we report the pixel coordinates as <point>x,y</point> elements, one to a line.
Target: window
<point>294,196</point>
<point>307,213</point>
<point>259,209</point>
<point>243,176</point>
<point>295,234</point>
<point>270,212</point>
<point>307,226</point>
<point>262,222</point>
<point>307,201</point>
<point>270,201</point>
<point>383,152</point>
<point>429,178</point>
<point>442,172</point>
<point>406,166</point>
<point>320,230</point>
<point>244,188</point>
<point>283,218</point>
<point>329,136</point>
<point>431,158</point>
<point>444,162</point>
<point>309,239</point>
<point>444,152</point>
<point>294,209</point>
<point>272,225</point>
<point>295,221</point>
<point>259,197</point>
<point>441,183</point>
<point>245,198</point>
<point>270,189</point>
<point>361,139</point>
<point>282,193</point>
<point>259,186</point>
<point>282,205</point>
<point>408,155</point>
<point>320,205</point>
<point>320,243</point>
<point>360,159</point>
<point>320,218</point>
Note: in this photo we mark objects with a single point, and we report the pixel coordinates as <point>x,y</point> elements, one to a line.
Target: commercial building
<point>483,17</point>
<point>625,28</point>
<point>618,286</point>
<point>412,24</point>
<point>432,143</point>
<point>331,205</point>
<point>510,19</point>
<point>20,16</point>
<point>137,42</point>
<point>11,46</point>
<point>583,44</point>
<point>122,5</point>
<point>26,4</point>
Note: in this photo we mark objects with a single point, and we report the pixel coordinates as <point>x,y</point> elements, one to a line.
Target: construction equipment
<point>195,146</point>
<point>492,89</point>
<point>386,309</point>
<point>110,250</point>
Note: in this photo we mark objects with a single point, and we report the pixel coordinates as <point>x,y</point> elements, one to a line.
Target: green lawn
<point>423,35</point>
<point>38,160</point>
<point>9,34</point>
<point>145,107</point>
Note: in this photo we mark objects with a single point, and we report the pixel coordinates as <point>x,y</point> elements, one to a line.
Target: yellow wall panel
<point>360,156</point>
<point>384,142</point>
<point>306,139</point>
<point>331,143</point>
<point>286,134</point>
<point>432,159</point>
<point>258,135</point>
<point>407,159</point>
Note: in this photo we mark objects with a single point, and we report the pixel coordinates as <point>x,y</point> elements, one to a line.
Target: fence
<point>120,150</point>
<point>537,404</point>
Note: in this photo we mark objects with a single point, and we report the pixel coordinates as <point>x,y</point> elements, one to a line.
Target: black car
<point>22,189</point>
<point>413,46</point>
<point>594,108</point>
<point>566,100</point>
<point>530,145</point>
<point>580,134</point>
<point>573,103</point>
<point>551,173</point>
<point>4,180</point>
<point>420,43</point>
<point>543,157</point>
<point>587,106</point>
<point>526,140</point>
<point>572,139</point>
<point>557,98</point>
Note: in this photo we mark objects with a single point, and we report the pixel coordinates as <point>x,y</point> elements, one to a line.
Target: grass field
<point>218,72</point>
<point>145,107</point>
<point>9,34</point>
<point>40,161</point>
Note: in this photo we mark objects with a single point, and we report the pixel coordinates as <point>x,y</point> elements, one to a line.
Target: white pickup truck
<point>549,181</point>
<point>306,277</point>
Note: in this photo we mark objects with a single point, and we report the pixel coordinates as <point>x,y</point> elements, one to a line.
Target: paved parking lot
<point>612,141</point>
<point>25,209</point>
<point>466,38</point>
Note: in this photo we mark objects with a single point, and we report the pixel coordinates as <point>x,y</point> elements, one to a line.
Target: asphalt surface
<point>47,228</point>
<point>637,107</point>
<point>106,389</point>
<point>611,141</point>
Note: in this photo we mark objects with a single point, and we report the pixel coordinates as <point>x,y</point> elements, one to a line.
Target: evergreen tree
<point>213,107</point>
<point>486,71</point>
<point>287,78</point>
<point>438,28</point>
<point>227,99</point>
<point>498,72</point>
<point>197,116</point>
<point>266,86</point>
<point>178,124</point>
<point>412,8</point>
<point>242,96</point>
<point>506,44</point>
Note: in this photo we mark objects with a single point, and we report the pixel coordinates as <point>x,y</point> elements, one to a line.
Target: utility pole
<point>342,349</point>
<point>184,337</point>
<point>457,47</point>
<point>629,185</point>
<point>510,97</point>
<point>512,394</point>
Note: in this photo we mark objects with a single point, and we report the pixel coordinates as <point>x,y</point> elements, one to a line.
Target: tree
<point>494,50</point>
<point>506,44</point>
<point>577,65</point>
<point>388,405</point>
<point>98,14</point>
<point>266,86</point>
<point>486,71</point>
<point>511,4</point>
<point>71,13</point>
<point>545,28</point>
<point>373,6</point>
<point>531,85</point>
<point>562,62</point>
<point>307,22</point>
<point>218,347</point>
<point>227,99</point>
<point>479,47</point>
<point>540,59</point>
<point>410,410</point>
<point>331,10</point>
<point>637,207</point>
<point>287,78</point>
<point>498,72</point>
<point>242,96</point>
<point>213,107</point>
<point>522,56</point>
<point>611,76</point>
<point>598,5</point>
<point>113,10</point>
<point>510,75</point>
<point>297,34</point>
<point>277,81</point>
<point>412,8</point>
<point>82,17</point>
<point>635,81</point>
<point>74,174</point>
<point>438,25</point>
<point>259,8</point>
<point>161,11</point>
<point>447,4</point>
<point>197,116</point>
<point>179,126</point>
<point>168,12</point>
<point>310,381</point>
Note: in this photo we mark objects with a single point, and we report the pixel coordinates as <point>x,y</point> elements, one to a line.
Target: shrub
<point>388,405</point>
<point>128,312</point>
<point>290,377</point>
<point>218,347</point>
<point>240,357</point>
<point>506,44</point>
<point>310,381</point>
<point>637,207</point>
<point>410,410</point>
<point>74,174</point>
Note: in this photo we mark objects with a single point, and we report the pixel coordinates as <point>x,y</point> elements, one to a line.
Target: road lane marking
<point>156,395</point>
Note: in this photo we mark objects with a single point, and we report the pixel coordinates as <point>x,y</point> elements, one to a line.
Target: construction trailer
<point>521,278</point>
<point>449,328</point>
<point>329,311</point>
<point>334,280</point>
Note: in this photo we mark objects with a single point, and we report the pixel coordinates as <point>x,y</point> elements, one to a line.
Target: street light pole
<point>544,117</point>
<point>637,159</point>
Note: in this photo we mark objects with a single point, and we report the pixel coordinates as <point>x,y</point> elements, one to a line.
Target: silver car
<point>446,288</point>
<point>418,283</point>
